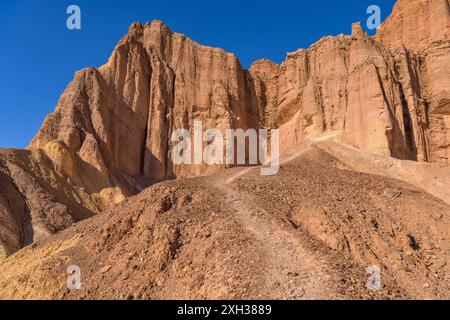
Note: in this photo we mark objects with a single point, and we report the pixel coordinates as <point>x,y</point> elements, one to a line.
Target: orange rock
<point>109,136</point>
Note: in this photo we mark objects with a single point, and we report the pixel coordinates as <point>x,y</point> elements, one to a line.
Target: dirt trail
<point>308,232</point>
<point>292,271</point>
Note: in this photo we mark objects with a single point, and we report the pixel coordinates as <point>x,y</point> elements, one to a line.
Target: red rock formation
<point>120,117</point>
<point>380,94</point>
<point>424,27</point>
<point>416,24</point>
<point>109,136</point>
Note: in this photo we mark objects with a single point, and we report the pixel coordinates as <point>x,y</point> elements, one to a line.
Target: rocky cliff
<point>109,136</point>
<point>387,94</point>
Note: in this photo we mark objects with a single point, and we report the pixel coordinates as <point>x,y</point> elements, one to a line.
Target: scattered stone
<point>392,193</point>
<point>105,269</point>
<point>128,296</point>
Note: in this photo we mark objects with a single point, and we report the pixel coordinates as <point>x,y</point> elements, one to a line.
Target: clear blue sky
<point>39,55</point>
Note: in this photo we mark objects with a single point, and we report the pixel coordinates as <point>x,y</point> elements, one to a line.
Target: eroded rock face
<point>424,26</point>
<point>392,101</point>
<point>387,94</point>
<point>109,136</point>
<point>416,23</point>
<point>37,199</point>
<point>119,119</point>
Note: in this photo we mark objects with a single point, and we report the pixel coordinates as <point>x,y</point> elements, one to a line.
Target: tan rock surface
<point>37,200</point>
<point>416,23</point>
<point>377,94</point>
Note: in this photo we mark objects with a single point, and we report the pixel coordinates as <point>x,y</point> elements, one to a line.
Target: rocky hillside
<point>384,102</point>
<point>309,232</point>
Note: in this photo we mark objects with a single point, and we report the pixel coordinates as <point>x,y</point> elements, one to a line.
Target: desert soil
<point>309,232</point>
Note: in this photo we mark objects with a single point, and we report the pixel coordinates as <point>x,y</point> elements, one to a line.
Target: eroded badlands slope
<point>309,232</point>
